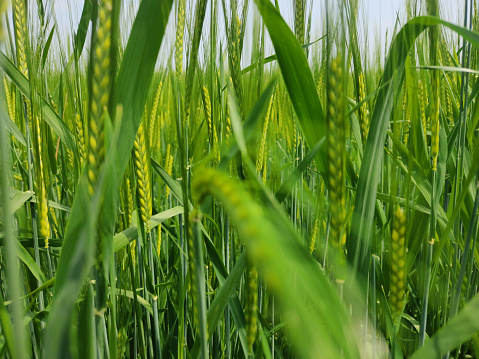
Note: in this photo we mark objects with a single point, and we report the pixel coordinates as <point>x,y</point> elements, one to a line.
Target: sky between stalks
<point>376,17</point>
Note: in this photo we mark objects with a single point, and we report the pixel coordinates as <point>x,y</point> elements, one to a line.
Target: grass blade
<point>456,332</point>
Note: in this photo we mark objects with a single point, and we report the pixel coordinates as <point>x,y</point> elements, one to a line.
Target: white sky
<point>379,15</point>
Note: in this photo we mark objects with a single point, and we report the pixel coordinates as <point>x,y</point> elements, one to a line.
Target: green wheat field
<point>321,202</point>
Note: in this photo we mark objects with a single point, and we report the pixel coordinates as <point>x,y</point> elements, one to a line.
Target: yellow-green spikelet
<point>41,177</point>
<point>210,270</point>
<point>20,22</point>
<point>295,134</point>
<point>43,215</point>
<point>234,62</point>
<point>71,159</point>
<point>10,96</point>
<point>398,256</point>
<point>168,166</point>
<point>40,188</point>
<point>100,94</point>
<point>80,139</point>
<point>212,135</point>
<point>299,20</point>
<point>364,112</point>
<point>228,125</point>
<point>242,210</point>
<point>55,220</point>
<point>41,192</point>
<point>180,29</point>
<point>422,106</point>
<point>321,84</point>
<point>154,139</point>
<point>143,176</point>
<point>244,213</point>
<point>336,153</point>
<point>129,213</point>
<point>3,6</point>
<point>52,103</point>
<point>314,235</point>
<point>20,33</point>
<point>262,148</point>
<point>207,105</point>
<point>238,24</point>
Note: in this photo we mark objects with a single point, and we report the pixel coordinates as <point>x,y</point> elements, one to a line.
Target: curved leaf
<point>122,239</point>
<point>12,127</point>
<point>274,57</point>
<point>53,120</point>
<point>370,173</point>
<point>457,331</point>
<point>297,77</point>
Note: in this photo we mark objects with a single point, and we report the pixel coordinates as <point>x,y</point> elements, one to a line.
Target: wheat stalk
<point>435,120</point>
<point>251,285</point>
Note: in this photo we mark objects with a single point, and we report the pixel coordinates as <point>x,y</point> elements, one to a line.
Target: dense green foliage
<point>317,203</point>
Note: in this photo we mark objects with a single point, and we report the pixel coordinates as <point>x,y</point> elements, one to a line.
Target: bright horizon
<point>379,15</point>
